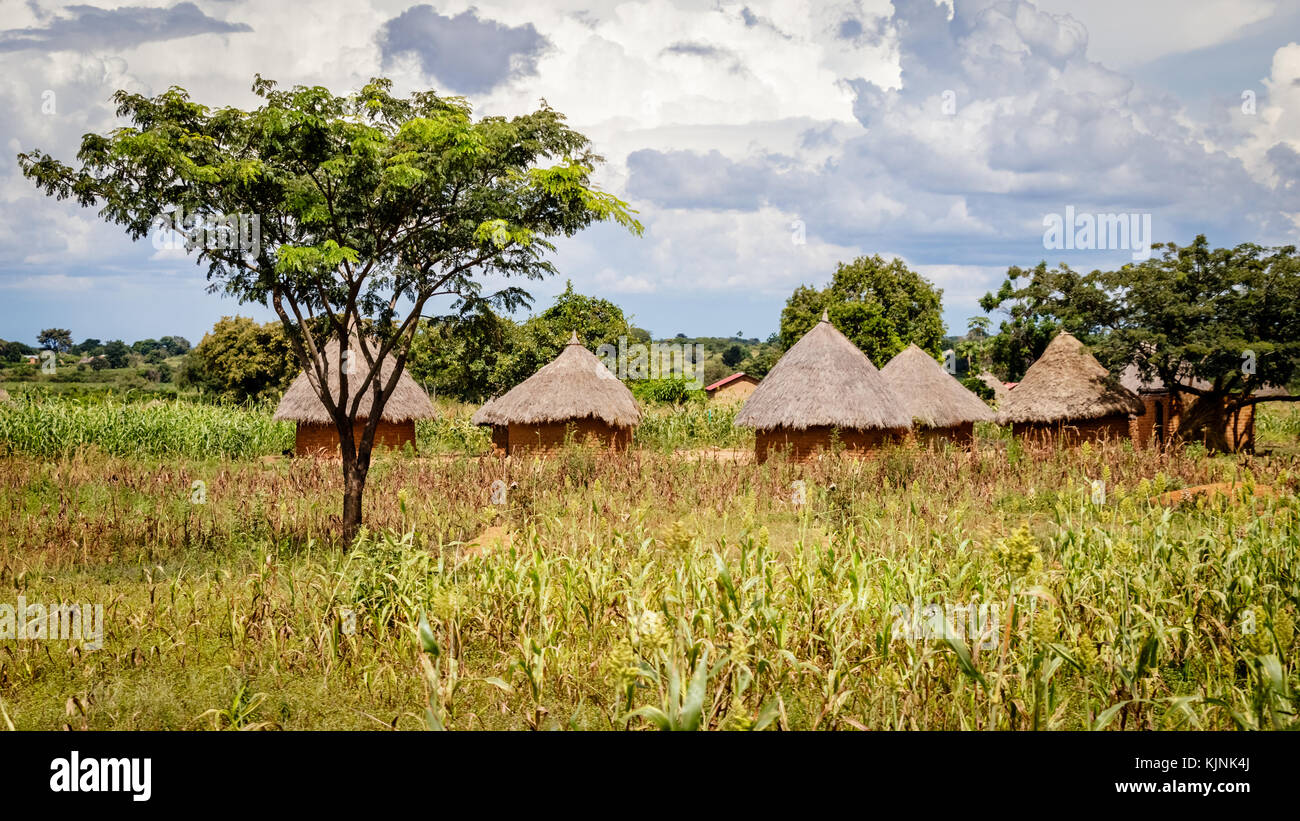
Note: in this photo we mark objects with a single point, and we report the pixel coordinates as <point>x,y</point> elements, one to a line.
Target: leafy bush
<point>666,391</point>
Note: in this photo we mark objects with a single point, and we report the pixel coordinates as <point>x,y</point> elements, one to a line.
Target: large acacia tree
<point>370,206</point>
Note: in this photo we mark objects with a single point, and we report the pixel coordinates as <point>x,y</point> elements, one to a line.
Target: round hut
<point>940,407</point>
<point>4,395</point>
<point>821,390</point>
<point>573,396</point>
<point>316,431</point>
<point>1068,393</point>
<point>500,430</point>
<point>999,388</point>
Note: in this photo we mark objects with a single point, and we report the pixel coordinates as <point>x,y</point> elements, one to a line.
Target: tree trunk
<point>356,466</point>
<point>354,487</point>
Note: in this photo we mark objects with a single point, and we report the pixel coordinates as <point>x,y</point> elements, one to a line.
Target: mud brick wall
<point>323,440</point>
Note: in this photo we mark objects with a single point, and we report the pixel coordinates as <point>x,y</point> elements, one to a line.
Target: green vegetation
<point>693,426</point>
<point>240,361</point>
<point>880,305</point>
<point>479,354</point>
<point>60,427</point>
<point>597,582</point>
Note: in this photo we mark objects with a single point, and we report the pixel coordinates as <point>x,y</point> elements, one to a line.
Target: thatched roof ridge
<point>301,404</point>
<point>574,386</point>
<point>1067,382</point>
<point>930,395</point>
<point>824,380</point>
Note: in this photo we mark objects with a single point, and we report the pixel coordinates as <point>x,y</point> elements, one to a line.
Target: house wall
<point>732,392</point>
<point>323,440</point>
<point>1144,429</point>
<point>1241,428</point>
<point>1113,427</point>
<point>500,440</point>
<point>1242,433</point>
<point>551,436</point>
<point>804,444</point>
<point>962,435</point>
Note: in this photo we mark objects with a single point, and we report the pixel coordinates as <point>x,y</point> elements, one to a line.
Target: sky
<point>761,141</point>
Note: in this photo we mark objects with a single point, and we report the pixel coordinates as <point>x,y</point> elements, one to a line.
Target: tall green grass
<point>452,432</point>
<point>1277,421</point>
<point>694,425</point>
<point>654,591</point>
<point>51,427</point>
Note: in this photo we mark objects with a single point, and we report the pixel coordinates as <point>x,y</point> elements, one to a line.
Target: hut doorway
<point>1158,429</point>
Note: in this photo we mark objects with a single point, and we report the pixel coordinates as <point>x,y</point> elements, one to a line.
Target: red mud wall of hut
<point>805,443</point>
<point>1163,411</point>
<point>552,435</point>
<point>1112,427</point>
<point>324,439</point>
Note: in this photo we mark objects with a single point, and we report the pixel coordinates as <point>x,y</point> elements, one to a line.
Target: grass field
<point>643,591</point>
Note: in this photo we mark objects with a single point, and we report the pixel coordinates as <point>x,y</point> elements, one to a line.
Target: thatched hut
<point>732,389</point>
<point>573,396</point>
<point>999,388</point>
<point>821,390</point>
<point>1068,393</point>
<point>940,407</point>
<point>4,395</point>
<point>316,431</point>
<point>1163,408</point>
<point>500,430</point>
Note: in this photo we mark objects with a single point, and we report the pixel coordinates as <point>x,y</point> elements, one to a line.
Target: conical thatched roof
<point>996,385</point>
<point>823,380</point>
<point>576,385</point>
<point>930,395</point>
<point>1067,382</point>
<point>301,404</point>
<point>4,395</point>
<point>485,415</point>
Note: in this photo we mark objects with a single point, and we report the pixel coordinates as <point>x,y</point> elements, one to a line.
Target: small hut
<point>575,395</point>
<point>500,430</point>
<point>316,431</point>
<point>732,389</point>
<point>939,405</point>
<point>4,395</point>
<point>1068,393</point>
<point>1000,389</point>
<point>822,389</point>
<point>1163,407</point>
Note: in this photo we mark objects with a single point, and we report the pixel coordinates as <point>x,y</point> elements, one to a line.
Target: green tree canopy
<point>463,356</point>
<point>116,354</point>
<point>1038,302</point>
<point>733,356</point>
<point>240,360</point>
<point>55,339</point>
<point>175,345</point>
<point>976,345</point>
<point>881,306</point>
<point>541,338</point>
<point>14,351</point>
